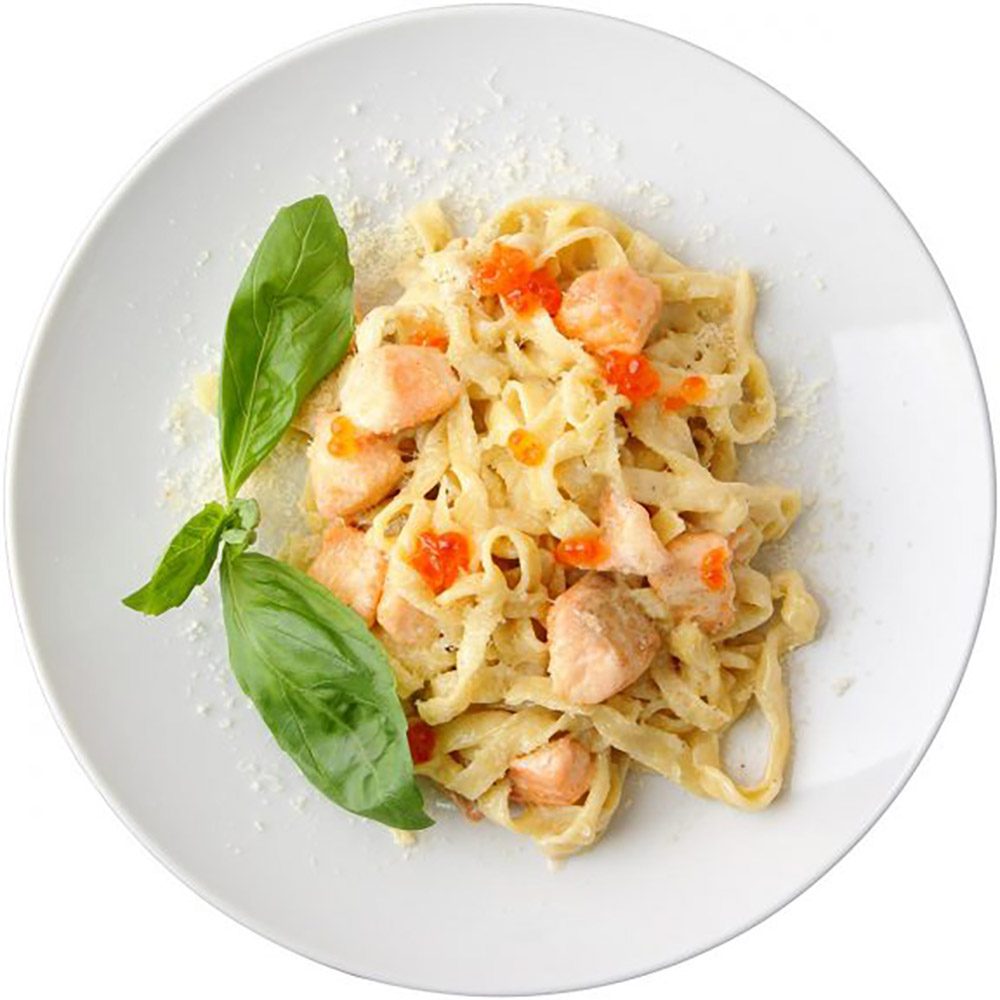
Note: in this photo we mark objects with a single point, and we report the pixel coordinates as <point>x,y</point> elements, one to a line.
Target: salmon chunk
<point>556,774</point>
<point>405,623</point>
<point>611,309</point>
<point>348,471</point>
<point>350,569</point>
<point>628,536</point>
<point>698,583</point>
<point>600,641</point>
<point>397,386</point>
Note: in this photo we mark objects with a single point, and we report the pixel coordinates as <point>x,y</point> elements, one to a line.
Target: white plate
<point>896,453</point>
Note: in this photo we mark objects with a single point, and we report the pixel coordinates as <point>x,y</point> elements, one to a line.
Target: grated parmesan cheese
<point>404,838</point>
<point>206,392</point>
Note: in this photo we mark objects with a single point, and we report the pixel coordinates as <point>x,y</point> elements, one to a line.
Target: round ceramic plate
<point>884,427</point>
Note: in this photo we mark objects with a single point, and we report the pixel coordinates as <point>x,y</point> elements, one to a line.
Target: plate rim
<point>29,365</point>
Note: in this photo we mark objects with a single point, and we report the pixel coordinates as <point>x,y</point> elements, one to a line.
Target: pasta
<point>520,467</point>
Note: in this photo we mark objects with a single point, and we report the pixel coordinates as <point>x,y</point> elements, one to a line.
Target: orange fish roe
<point>714,564</point>
<point>421,739</point>
<point>526,447</point>
<point>692,389</point>
<point>440,558</point>
<point>582,551</point>
<point>631,374</point>
<point>511,273</point>
<point>427,333</point>
<point>539,289</point>
<point>343,441</point>
<point>505,268</point>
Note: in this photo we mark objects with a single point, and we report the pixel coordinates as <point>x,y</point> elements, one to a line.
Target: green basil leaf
<point>186,563</point>
<point>323,685</point>
<point>289,325</point>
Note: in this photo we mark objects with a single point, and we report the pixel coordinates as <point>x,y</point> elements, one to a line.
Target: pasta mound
<point>483,684</point>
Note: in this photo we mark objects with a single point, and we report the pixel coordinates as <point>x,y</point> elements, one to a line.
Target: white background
<point>910,87</point>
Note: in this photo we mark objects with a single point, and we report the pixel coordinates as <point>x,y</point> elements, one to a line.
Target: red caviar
<point>427,333</point>
<point>343,441</point>
<point>526,447</point>
<point>539,289</point>
<point>440,558</point>
<point>421,739</point>
<point>692,389</point>
<point>714,566</point>
<point>582,551</point>
<point>631,374</point>
<point>505,268</point>
<point>511,273</point>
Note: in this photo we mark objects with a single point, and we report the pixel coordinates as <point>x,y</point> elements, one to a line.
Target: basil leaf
<point>323,685</point>
<point>289,325</point>
<point>186,563</point>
